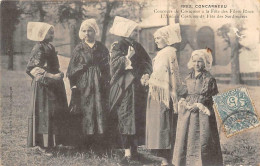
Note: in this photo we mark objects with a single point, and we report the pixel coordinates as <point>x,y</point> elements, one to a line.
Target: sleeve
<point>35,67</point>
<point>105,67</point>
<point>211,90</point>
<point>117,60</point>
<point>76,67</point>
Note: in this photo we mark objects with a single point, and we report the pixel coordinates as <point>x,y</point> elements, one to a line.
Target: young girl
<point>197,140</point>
<point>164,89</point>
<point>49,103</point>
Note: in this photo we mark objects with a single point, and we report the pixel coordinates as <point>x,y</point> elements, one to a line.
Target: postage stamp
<point>236,111</point>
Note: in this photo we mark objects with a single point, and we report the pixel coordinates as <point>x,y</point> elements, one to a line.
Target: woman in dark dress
<point>49,103</point>
<point>197,139</point>
<point>129,62</point>
<point>89,77</point>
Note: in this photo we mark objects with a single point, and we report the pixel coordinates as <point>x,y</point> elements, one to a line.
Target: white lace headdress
<point>171,34</point>
<point>37,31</point>
<point>89,22</point>
<point>205,54</point>
<point>122,27</point>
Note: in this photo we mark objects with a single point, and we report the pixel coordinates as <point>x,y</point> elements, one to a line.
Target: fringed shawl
<point>165,78</point>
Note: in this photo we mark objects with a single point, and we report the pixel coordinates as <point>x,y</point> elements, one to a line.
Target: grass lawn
<point>241,149</point>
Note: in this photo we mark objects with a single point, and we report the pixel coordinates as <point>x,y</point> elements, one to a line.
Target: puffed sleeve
<point>210,89</point>
<point>117,60</point>
<point>105,67</point>
<point>213,88</point>
<point>76,66</point>
<point>35,67</point>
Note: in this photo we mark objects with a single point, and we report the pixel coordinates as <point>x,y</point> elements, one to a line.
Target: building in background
<point>202,32</point>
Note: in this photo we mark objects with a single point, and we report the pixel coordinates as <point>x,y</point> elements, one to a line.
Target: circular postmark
<point>239,121</point>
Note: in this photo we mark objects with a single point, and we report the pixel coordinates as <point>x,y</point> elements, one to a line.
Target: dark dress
<point>48,109</point>
<point>127,97</point>
<point>197,139</point>
<point>89,71</point>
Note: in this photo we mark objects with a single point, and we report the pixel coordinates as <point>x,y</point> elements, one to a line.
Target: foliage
<point>102,11</point>
<point>70,10</point>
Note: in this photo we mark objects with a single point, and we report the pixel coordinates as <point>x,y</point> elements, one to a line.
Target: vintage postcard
<point>130,82</point>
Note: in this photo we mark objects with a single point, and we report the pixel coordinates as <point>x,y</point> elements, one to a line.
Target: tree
<point>131,10</point>
<point>107,18</point>
<point>33,9</point>
<point>9,18</point>
<point>231,34</point>
<point>71,13</point>
<point>234,34</point>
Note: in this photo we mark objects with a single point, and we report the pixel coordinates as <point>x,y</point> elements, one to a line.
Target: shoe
<point>165,163</point>
<point>126,160</point>
<point>49,154</point>
<point>60,146</point>
<point>39,149</point>
<point>43,151</point>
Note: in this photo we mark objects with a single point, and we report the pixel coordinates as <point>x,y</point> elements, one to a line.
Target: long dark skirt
<point>197,140</point>
<point>128,117</point>
<point>47,114</point>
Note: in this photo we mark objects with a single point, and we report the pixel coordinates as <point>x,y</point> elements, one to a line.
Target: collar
<point>192,74</point>
<point>88,45</point>
<point>91,45</point>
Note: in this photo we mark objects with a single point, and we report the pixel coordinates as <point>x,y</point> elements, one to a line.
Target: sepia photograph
<point>130,82</point>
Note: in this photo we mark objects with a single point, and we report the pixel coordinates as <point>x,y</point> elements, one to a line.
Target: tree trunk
<point>74,26</point>
<point>235,69</point>
<point>10,52</point>
<point>73,41</point>
<point>73,37</point>
<point>9,18</point>
<point>106,21</point>
<point>41,11</point>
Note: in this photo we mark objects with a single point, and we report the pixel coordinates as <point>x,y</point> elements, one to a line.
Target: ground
<point>241,149</point>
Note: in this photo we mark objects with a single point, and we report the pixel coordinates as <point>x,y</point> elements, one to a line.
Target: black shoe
<point>125,161</point>
<point>49,154</point>
<point>44,151</point>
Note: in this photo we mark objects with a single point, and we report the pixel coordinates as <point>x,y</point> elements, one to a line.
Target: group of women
<point>123,97</point>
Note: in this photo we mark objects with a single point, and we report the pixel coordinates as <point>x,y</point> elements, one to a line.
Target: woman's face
<point>50,35</point>
<point>89,34</point>
<point>198,63</point>
<point>160,42</point>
